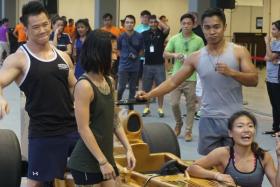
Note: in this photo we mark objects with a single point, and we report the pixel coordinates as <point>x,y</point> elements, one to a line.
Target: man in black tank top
<point>45,75</point>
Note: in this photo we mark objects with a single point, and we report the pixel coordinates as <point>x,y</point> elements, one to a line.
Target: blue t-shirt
<point>62,42</point>
<point>141,28</point>
<point>130,47</point>
<point>78,69</point>
<point>272,70</point>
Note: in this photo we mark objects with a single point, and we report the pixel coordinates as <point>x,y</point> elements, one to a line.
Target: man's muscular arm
<point>11,71</point>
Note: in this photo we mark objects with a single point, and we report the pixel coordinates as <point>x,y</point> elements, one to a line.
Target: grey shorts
<point>152,73</point>
<point>213,133</point>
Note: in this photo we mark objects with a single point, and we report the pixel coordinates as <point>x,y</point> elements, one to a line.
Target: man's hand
<point>224,69</point>
<point>4,107</point>
<point>142,95</point>
<point>178,56</point>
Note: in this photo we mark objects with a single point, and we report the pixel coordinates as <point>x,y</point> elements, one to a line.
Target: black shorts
<point>85,178</point>
<point>47,156</point>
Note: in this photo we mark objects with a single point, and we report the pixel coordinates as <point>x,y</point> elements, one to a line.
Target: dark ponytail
<point>259,152</point>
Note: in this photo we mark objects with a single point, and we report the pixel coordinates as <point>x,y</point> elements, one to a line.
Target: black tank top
<point>101,125</point>
<point>48,99</point>
<point>245,179</point>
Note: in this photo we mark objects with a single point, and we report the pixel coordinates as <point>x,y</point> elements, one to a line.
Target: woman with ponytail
<point>243,164</point>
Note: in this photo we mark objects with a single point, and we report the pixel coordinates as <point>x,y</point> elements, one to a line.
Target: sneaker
<point>160,112</point>
<point>197,115</point>
<point>146,111</point>
<point>188,136</point>
<point>177,130</point>
<point>269,132</point>
<point>273,133</point>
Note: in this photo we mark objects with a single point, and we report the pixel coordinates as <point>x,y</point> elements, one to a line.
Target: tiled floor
<point>257,102</point>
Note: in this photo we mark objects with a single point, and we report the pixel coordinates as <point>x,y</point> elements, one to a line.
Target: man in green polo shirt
<point>179,47</point>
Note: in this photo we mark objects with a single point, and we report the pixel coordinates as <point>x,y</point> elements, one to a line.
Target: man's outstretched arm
<point>170,84</point>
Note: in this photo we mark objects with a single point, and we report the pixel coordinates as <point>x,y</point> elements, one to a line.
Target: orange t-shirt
<point>122,30</point>
<point>19,29</point>
<point>70,30</point>
<point>113,30</point>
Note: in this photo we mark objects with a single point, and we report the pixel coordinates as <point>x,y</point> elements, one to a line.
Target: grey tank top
<point>222,95</point>
<point>244,179</point>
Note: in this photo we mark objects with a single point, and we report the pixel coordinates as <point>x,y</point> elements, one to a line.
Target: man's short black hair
<point>96,52</point>
<point>130,17</point>
<point>32,8</point>
<point>195,14</point>
<point>21,19</point>
<point>5,20</point>
<point>214,12</point>
<point>70,20</point>
<point>162,17</point>
<point>145,13</point>
<point>187,15</point>
<point>108,15</point>
<point>153,17</point>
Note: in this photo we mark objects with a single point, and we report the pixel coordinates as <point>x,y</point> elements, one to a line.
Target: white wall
<point>271,13</point>
<point>172,9</point>
<point>77,9</point>
<point>243,18</point>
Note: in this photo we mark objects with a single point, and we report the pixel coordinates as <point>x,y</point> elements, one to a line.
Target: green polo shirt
<point>179,44</point>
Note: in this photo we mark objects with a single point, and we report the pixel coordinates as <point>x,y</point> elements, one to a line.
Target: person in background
<point>82,30</point>
<point>122,29</point>
<point>19,33</point>
<point>272,57</point>
<point>115,59</point>
<point>244,163</point>
<point>154,67</point>
<point>163,18</point>
<point>143,26</point>
<point>92,161</point>
<point>130,47</point>
<point>197,27</point>
<point>70,29</point>
<point>108,26</point>
<point>58,38</point>
<point>179,47</point>
<point>198,89</point>
<point>4,39</point>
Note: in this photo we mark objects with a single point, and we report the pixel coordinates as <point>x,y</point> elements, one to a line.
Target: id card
<point>152,49</point>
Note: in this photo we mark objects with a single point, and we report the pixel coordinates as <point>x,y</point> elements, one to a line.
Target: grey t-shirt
<point>222,95</point>
<point>272,70</point>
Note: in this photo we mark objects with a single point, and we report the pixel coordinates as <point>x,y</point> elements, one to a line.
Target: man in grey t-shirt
<point>223,67</point>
